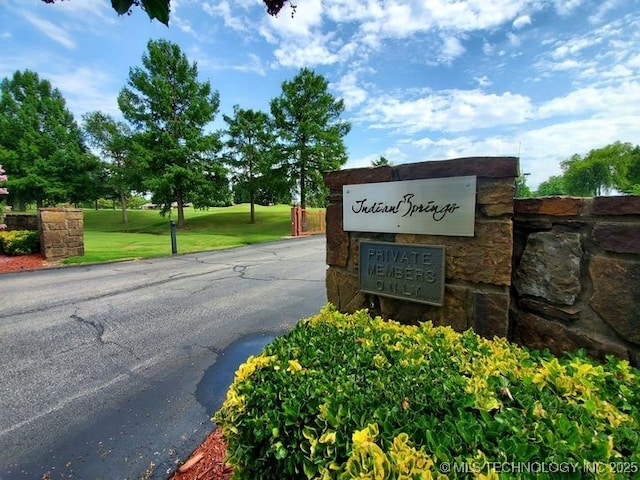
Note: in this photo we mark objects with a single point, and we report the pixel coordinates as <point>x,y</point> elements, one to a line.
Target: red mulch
<point>16,263</point>
<point>207,461</point>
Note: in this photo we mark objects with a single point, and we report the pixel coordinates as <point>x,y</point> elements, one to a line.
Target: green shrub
<point>19,242</point>
<point>348,396</point>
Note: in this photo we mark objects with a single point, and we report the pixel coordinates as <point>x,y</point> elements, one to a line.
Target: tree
<point>610,167</point>
<point>633,172</point>
<point>307,120</point>
<point>160,9</point>
<point>382,161</point>
<point>250,140</point>
<point>115,142</point>
<point>551,187</point>
<point>522,189</point>
<point>41,144</point>
<point>169,108</point>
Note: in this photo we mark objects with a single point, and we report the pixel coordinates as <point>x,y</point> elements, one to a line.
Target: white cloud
<point>602,102</point>
<point>87,89</point>
<point>521,22</point>
<point>227,12</point>
<point>483,81</point>
<point>565,7</point>
<point>313,52</point>
<point>350,92</point>
<point>448,110</point>
<point>573,46</point>
<point>51,30</point>
<point>452,48</point>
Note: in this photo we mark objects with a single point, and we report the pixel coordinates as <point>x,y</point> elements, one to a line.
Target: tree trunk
<point>303,187</point>
<point>123,204</point>
<point>180,202</point>
<point>253,207</point>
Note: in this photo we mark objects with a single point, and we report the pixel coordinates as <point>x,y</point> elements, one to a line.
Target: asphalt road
<point>112,371</point>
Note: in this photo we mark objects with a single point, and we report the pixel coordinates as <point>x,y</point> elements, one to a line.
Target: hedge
<point>350,396</point>
<point>19,242</point>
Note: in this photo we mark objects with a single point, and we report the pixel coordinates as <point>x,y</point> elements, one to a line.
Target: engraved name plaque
<point>437,206</point>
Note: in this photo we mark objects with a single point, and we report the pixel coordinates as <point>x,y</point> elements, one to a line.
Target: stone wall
<point>577,275</point>
<point>477,269</point>
<point>61,232</point>
<point>559,273</point>
<point>21,221</point>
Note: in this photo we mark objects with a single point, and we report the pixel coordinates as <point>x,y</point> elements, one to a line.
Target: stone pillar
<point>61,232</point>
<point>477,269</point>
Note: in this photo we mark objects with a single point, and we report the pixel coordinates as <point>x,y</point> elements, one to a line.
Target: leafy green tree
<point>613,166</point>
<point>41,144</point>
<point>169,109</point>
<point>633,172</point>
<point>586,176</point>
<point>522,189</point>
<point>624,159</point>
<point>382,161</point>
<point>115,142</point>
<point>308,124</point>
<point>250,140</point>
<point>551,187</point>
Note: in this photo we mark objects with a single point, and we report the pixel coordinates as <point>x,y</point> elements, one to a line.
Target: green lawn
<point>148,234</point>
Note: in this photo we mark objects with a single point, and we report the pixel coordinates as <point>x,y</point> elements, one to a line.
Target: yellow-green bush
<point>348,396</point>
<point>19,242</point>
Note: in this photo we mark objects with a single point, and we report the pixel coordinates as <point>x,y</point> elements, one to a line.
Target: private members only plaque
<point>435,206</point>
<point>403,271</point>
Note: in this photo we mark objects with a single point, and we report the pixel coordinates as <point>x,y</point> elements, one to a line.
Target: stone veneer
<point>21,221</point>
<point>477,269</point>
<point>561,273</point>
<point>577,275</point>
<point>61,232</point>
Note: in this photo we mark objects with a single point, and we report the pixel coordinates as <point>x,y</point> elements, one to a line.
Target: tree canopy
<point>169,108</point>
<point>310,132</point>
<point>41,144</point>
<point>115,142</point>
<point>614,167</point>
<point>602,169</point>
<point>249,144</point>
<point>160,9</point>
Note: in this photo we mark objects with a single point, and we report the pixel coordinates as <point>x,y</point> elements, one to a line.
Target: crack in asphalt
<point>99,329</point>
<point>238,269</point>
<point>112,293</point>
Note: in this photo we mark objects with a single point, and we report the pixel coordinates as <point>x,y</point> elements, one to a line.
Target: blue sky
<point>421,80</point>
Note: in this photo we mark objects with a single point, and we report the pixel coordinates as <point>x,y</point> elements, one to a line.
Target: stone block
<point>355,176</point>
<point>553,206</point>
<point>485,258</point>
<point>343,291</point>
<point>497,209</point>
<point>337,239</point>
<point>486,167</point>
<point>537,333</point>
<point>614,206</point>
<point>550,267</point>
<point>52,217</point>
<point>618,237</point>
<point>616,295</point>
<point>496,191</point>
<point>491,314</point>
<point>566,314</point>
